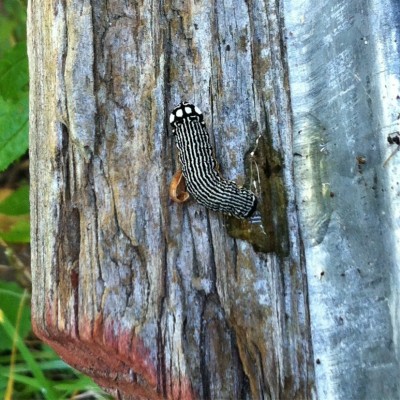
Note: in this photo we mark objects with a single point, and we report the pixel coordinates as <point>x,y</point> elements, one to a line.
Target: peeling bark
<point>152,299</point>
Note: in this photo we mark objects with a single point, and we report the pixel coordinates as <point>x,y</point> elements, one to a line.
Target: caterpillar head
<point>182,111</point>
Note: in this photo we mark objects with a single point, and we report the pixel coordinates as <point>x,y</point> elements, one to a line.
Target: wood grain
<point>153,299</point>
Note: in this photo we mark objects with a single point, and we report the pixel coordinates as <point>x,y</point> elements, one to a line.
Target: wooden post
<point>152,299</point>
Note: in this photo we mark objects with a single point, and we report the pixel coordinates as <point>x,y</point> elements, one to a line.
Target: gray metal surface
<point>344,78</point>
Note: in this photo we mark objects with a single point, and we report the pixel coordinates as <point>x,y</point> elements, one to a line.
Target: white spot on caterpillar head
<point>171,118</point>
<point>188,110</point>
<point>179,113</point>
<point>197,110</point>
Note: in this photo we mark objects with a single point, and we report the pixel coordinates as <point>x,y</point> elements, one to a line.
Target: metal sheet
<point>344,70</point>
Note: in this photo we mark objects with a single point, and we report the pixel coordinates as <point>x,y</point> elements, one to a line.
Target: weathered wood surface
<point>156,300</point>
<point>152,299</point>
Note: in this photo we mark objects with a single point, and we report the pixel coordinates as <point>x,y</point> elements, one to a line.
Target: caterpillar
<point>199,167</point>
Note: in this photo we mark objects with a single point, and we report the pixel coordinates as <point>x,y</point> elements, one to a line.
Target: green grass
<point>35,372</point>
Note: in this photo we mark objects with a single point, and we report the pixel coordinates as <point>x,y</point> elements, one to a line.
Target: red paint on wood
<point>115,358</point>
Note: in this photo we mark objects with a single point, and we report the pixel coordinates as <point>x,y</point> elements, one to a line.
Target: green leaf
<point>16,230</point>
<point>10,296</point>
<point>7,28</point>
<point>13,131</point>
<point>12,23</point>
<point>14,73</point>
<point>17,203</point>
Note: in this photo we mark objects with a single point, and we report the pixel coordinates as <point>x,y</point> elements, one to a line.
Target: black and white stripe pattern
<point>203,181</point>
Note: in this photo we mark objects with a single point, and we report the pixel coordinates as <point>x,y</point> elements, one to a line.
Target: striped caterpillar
<point>202,179</point>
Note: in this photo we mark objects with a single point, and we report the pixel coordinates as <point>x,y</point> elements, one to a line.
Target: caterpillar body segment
<point>203,181</point>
